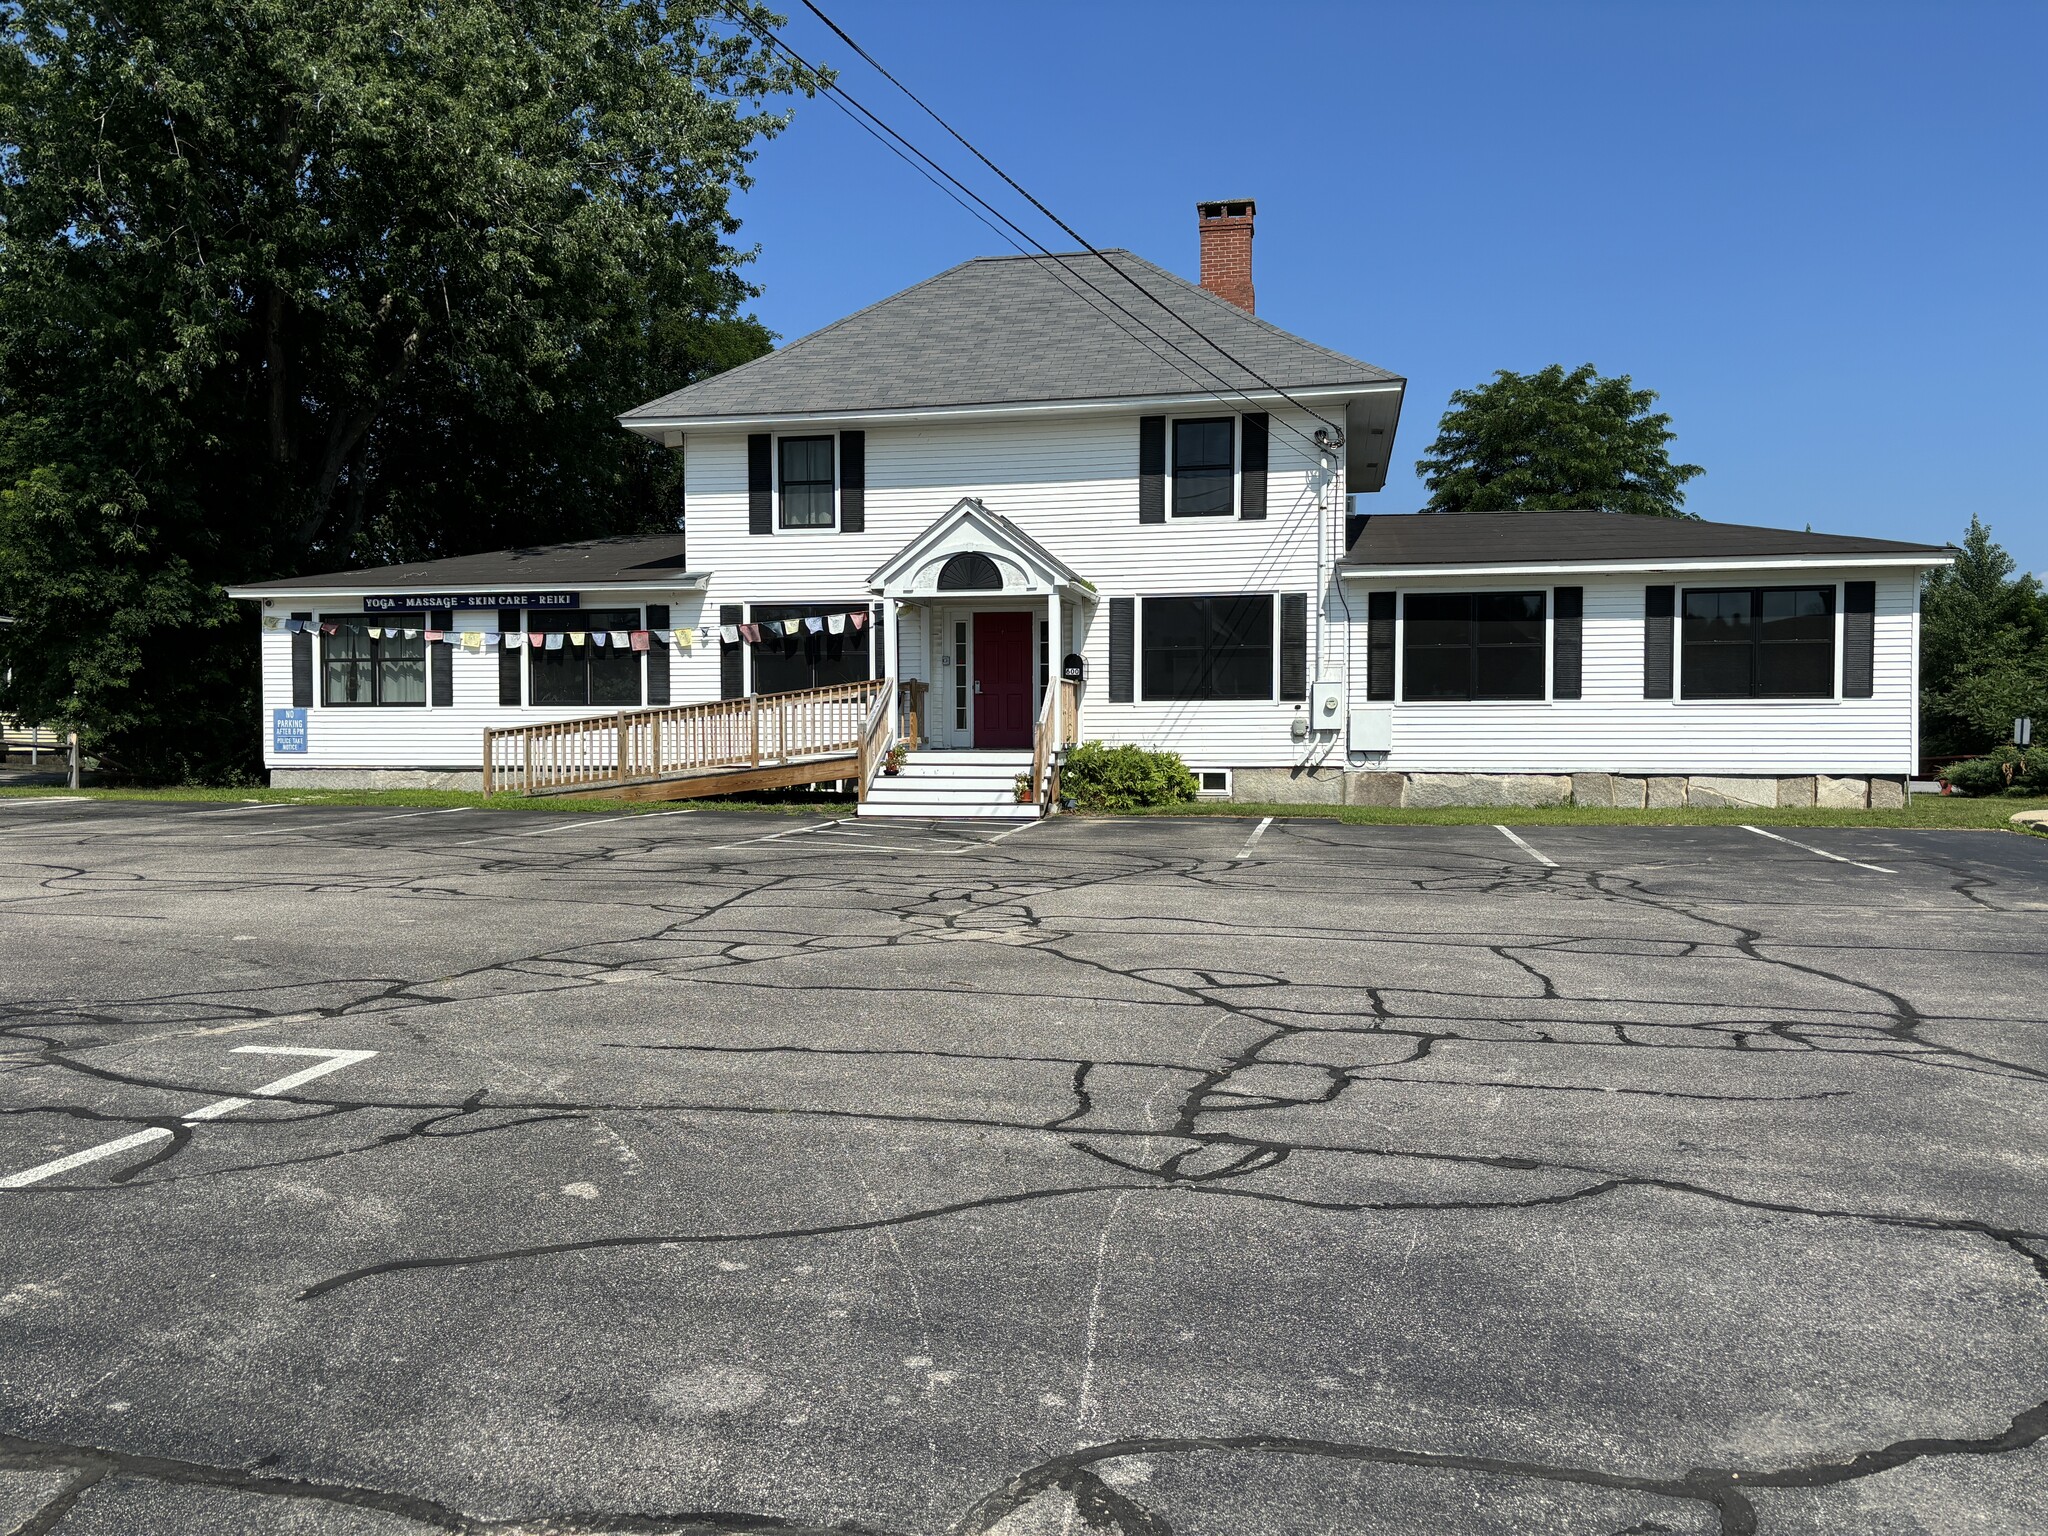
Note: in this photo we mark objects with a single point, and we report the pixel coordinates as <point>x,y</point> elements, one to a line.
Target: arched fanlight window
<point>970,571</point>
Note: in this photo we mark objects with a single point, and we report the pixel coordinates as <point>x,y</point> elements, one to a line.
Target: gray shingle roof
<point>1526,538</point>
<point>588,562</point>
<point>1014,330</point>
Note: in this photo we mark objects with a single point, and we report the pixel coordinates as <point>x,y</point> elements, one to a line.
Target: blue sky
<point>1819,231</point>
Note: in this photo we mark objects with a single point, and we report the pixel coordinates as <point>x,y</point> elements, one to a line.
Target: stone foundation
<point>377,778</point>
<point>1335,786</point>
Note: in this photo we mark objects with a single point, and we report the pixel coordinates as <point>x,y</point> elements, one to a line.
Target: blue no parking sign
<point>287,730</point>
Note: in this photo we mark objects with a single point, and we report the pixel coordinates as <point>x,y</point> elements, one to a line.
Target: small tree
<point>1983,649</point>
<point>1551,441</point>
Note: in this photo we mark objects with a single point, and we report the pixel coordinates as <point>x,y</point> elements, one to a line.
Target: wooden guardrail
<point>1045,768</point>
<point>639,745</point>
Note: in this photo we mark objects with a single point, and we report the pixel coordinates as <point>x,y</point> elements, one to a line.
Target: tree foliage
<point>1552,441</point>
<point>290,285</point>
<point>1983,649</point>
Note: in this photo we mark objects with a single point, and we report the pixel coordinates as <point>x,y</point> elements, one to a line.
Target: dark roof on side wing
<point>588,562</point>
<point>1004,330</point>
<point>1591,538</point>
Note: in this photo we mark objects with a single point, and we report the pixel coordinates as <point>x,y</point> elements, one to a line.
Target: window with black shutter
<point>1256,450</point>
<point>853,482</point>
<point>1567,641</point>
<point>1204,467</point>
<point>657,654</point>
<point>441,658</point>
<point>511,663</point>
<point>1659,605</point>
<point>1379,646</point>
<point>1151,469</point>
<point>1859,639</point>
<point>1758,643</point>
<point>302,664</point>
<point>1123,625</point>
<point>1472,645</point>
<point>732,654</point>
<point>806,467</point>
<point>760,483</point>
<point>1294,645</point>
<point>1202,648</point>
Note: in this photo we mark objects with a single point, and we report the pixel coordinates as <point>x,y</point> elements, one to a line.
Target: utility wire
<point>1058,265</point>
<point>1068,229</point>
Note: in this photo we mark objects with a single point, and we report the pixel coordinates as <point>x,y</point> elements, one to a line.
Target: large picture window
<point>584,674</point>
<point>1208,647</point>
<point>1204,467</point>
<point>1472,645</point>
<point>390,668</point>
<point>806,482</point>
<point>1758,643</point>
<point>805,660</point>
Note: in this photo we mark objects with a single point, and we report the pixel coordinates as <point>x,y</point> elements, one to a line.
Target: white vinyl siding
<point>1612,728</point>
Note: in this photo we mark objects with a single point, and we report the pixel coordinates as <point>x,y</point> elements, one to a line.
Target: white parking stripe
<point>357,821</point>
<point>839,821</point>
<point>245,810</point>
<point>1253,841</point>
<point>45,799</point>
<point>1809,848</point>
<point>572,820</point>
<point>1508,833</point>
<point>331,1061</point>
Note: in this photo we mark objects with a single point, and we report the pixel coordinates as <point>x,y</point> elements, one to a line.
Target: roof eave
<point>655,581</point>
<point>1918,560</point>
<point>655,426</point>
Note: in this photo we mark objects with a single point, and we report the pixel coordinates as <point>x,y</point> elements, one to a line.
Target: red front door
<point>1002,680</point>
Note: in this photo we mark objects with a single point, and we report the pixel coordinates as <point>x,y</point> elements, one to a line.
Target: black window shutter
<point>302,665</point>
<point>1254,493</point>
<point>1659,605</point>
<point>441,658</point>
<point>1379,645</point>
<point>657,655</point>
<point>1567,642</point>
<point>509,658</point>
<point>1293,645</point>
<point>1151,469</point>
<point>732,655</point>
<point>760,483</point>
<point>853,482</point>
<point>1123,623</point>
<point>1859,639</point>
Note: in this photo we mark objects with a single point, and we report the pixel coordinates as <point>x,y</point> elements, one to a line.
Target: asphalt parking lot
<point>369,1172</point>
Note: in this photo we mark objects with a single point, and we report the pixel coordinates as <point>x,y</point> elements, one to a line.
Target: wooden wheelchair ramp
<point>761,741</point>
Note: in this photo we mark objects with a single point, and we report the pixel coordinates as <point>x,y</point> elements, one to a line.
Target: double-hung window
<point>1208,647</point>
<point>585,673</point>
<point>1758,643</point>
<point>358,668</point>
<point>1472,645</point>
<point>1205,467</point>
<point>806,469</point>
<point>809,658</point>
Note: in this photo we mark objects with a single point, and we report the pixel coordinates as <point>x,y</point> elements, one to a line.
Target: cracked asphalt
<point>711,1172</point>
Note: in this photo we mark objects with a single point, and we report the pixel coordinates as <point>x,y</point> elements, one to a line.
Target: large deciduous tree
<point>1550,441</point>
<point>288,285</point>
<point>1983,649</point>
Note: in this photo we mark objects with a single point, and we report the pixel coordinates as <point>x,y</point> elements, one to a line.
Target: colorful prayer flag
<point>639,639</point>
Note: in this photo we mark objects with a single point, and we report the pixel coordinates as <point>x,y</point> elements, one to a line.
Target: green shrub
<point>1987,775</point>
<point>1099,778</point>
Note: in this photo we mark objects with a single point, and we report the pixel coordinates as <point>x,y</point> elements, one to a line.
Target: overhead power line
<point>946,181</point>
<point>1068,229</point>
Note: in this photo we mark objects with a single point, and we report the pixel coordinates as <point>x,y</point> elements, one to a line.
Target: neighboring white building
<point>1001,475</point>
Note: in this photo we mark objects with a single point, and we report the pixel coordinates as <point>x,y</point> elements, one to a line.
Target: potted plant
<point>892,764</point>
<point>1023,789</point>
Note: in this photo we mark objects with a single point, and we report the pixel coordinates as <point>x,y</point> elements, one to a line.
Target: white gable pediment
<point>969,528</point>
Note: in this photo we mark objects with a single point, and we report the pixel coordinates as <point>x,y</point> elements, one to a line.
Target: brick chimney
<point>1227,250</point>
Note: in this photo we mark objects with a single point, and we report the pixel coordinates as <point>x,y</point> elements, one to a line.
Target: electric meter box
<point>1326,706</point>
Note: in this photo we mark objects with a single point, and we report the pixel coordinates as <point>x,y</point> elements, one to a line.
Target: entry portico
<point>988,614</point>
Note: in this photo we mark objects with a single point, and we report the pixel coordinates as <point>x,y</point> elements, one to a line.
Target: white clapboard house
<point>1034,501</point>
